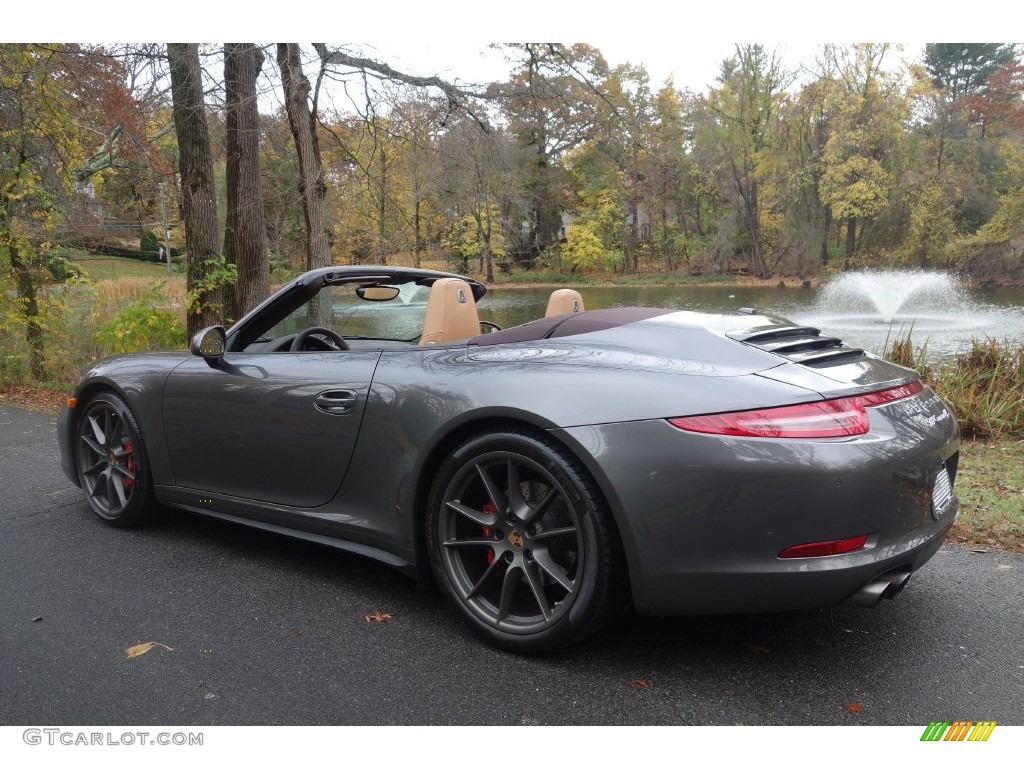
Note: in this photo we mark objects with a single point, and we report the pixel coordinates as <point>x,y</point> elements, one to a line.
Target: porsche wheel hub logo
<point>516,539</point>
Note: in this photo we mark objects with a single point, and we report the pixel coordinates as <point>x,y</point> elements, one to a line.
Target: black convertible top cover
<point>569,325</point>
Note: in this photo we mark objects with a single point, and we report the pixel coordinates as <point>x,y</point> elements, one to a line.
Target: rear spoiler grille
<point>798,343</point>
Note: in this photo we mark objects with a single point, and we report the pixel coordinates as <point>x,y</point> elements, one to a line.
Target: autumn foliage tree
<point>860,155</point>
<point>744,113</point>
<point>57,106</point>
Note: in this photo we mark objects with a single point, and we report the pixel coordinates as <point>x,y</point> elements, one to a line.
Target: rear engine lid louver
<point>798,343</point>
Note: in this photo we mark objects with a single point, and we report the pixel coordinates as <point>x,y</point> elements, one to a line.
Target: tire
<point>545,571</point>
<point>110,458</point>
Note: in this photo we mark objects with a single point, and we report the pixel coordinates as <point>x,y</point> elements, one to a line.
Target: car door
<point>276,427</point>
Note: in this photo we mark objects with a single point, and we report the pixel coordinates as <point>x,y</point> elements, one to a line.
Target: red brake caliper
<point>489,532</point>
<point>130,450</point>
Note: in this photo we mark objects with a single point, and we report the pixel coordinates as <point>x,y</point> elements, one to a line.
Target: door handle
<point>335,402</point>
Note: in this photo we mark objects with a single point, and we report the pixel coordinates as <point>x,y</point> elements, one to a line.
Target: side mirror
<point>209,344</point>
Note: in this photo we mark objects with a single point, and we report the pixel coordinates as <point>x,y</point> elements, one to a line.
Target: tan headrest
<point>451,312</point>
<point>564,301</point>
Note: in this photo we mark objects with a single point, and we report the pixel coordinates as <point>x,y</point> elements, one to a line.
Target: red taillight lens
<point>822,548</point>
<point>840,417</point>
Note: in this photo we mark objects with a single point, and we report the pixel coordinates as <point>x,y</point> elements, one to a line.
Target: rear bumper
<point>772,585</point>
<point>703,518</point>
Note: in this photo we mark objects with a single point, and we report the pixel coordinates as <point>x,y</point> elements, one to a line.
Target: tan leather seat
<point>451,312</point>
<point>564,301</point>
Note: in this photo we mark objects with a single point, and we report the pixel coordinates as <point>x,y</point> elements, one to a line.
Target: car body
<point>547,475</point>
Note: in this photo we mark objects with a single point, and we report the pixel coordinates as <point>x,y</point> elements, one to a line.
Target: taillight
<point>839,417</point>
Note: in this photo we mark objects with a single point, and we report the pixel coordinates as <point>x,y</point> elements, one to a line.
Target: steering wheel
<point>317,330</point>
<point>491,327</point>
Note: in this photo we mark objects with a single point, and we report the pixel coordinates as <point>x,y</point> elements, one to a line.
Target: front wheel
<point>111,461</point>
<point>522,544</point>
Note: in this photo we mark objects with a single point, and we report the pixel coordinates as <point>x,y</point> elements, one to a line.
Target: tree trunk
<point>543,196</point>
<point>826,227</point>
<point>630,245</point>
<point>248,238</point>
<point>757,262</point>
<point>851,240</point>
<point>487,254</point>
<point>28,309</point>
<point>748,194</point>
<point>302,122</point>
<point>382,209</point>
<point>417,247</point>
<point>198,190</point>
<point>230,293</point>
<point>942,142</point>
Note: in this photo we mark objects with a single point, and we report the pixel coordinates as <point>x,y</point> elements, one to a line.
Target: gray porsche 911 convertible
<point>548,475</point>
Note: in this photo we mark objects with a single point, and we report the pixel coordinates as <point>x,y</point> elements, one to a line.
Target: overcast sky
<point>450,37</point>
<point>695,66</point>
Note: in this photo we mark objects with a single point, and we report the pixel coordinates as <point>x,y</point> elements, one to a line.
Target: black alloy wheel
<point>111,461</point>
<point>521,542</point>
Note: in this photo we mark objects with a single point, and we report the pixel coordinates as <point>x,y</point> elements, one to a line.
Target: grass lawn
<point>990,484</point>
<point>113,267</point>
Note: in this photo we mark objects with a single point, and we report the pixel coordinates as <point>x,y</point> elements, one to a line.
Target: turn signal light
<point>839,417</point>
<point>823,548</point>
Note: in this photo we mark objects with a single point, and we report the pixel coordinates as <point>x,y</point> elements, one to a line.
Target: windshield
<point>342,310</point>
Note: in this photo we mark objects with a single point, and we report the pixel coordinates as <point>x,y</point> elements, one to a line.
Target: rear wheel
<point>111,462</point>
<point>522,543</point>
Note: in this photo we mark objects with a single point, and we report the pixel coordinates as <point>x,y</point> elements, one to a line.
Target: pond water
<point>864,313</point>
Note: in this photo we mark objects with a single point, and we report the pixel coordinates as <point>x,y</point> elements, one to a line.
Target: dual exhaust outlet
<point>886,585</point>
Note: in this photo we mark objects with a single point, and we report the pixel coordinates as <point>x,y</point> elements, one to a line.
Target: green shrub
<point>140,329</point>
<point>148,242</point>
<point>13,368</point>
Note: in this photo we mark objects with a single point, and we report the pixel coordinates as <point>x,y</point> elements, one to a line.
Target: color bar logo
<point>961,730</point>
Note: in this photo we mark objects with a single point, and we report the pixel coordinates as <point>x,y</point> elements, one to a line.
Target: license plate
<point>942,494</point>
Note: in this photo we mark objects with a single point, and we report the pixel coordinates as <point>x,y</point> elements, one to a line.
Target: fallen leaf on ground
<point>853,706</point>
<point>639,683</point>
<point>378,616</point>
<point>141,648</point>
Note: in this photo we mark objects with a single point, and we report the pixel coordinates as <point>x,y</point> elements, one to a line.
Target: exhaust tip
<point>886,586</point>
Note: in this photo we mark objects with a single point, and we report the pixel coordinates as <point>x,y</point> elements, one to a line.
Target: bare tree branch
<point>456,96</point>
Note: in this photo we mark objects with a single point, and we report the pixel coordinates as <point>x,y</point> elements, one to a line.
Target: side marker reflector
<point>824,548</point>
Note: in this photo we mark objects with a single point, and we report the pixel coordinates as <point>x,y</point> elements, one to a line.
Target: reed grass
<point>983,385</point>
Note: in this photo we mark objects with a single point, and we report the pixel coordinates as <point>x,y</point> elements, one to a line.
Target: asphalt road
<point>265,630</point>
